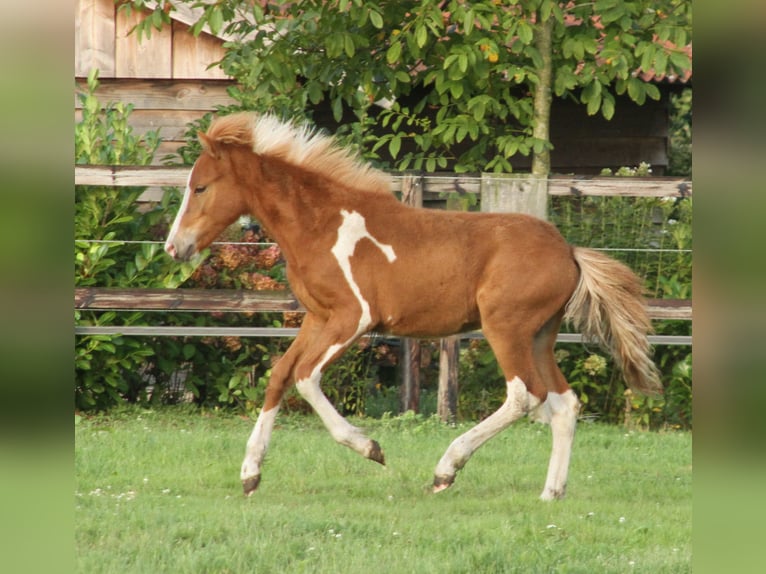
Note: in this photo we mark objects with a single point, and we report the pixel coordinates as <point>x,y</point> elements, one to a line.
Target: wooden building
<point>167,76</point>
<point>169,80</point>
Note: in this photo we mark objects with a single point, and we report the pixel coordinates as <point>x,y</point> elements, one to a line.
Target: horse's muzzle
<point>184,253</point>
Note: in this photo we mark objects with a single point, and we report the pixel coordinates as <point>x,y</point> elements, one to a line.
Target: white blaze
<point>181,210</point>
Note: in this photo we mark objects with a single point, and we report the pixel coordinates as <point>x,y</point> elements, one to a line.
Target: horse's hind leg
<point>560,409</point>
<point>514,354</point>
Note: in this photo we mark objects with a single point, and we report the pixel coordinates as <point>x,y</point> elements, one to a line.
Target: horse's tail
<point>608,306</point>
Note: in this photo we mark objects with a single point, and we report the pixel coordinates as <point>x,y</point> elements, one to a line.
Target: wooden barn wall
<point>165,76</point>
<point>103,41</point>
<point>167,105</point>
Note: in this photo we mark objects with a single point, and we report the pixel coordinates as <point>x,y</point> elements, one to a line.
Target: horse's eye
<point>200,189</point>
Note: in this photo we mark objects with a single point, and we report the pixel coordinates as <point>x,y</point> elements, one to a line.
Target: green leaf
<point>157,19</point>
<point>421,36</point>
<point>545,10</point>
<point>468,24</point>
<point>648,57</point>
<point>376,20</point>
<point>215,19</point>
<point>526,34</point>
<point>393,53</point>
<point>637,90</point>
<point>594,103</point>
<point>402,77</point>
<point>394,145</point>
<point>660,62</point>
<point>188,351</point>
<point>652,91</point>
<point>337,109</point>
<point>607,106</point>
<point>462,63</point>
<point>315,92</point>
<point>680,60</point>
<point>348,45</point>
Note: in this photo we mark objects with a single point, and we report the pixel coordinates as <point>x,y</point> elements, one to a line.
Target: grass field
<point>158,491</point>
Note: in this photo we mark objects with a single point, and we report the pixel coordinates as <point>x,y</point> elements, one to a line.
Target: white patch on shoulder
<point>352,231</point>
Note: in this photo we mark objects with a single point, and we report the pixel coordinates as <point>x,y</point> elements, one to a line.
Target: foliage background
<point>441,84</point>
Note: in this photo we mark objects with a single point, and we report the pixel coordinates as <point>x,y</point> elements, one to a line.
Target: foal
<point>358,261</point>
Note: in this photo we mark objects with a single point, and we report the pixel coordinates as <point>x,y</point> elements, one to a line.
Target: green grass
<point>158,491</point>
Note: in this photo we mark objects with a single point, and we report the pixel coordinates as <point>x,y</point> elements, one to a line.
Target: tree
<point>440,82</point>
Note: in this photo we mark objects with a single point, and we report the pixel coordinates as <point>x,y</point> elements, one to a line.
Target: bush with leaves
<point>108,368</point>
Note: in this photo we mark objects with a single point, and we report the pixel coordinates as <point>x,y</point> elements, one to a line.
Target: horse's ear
<point>208,145</point>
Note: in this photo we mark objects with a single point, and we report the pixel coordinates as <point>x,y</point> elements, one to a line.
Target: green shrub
<point>109,369</point>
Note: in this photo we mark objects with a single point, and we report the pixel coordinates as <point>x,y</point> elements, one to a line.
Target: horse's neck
<point>301,211</point>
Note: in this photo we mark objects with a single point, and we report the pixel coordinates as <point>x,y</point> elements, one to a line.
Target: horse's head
<point>212,201</point>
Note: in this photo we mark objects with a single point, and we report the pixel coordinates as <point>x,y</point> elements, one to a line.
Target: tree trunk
<point>541,162</point>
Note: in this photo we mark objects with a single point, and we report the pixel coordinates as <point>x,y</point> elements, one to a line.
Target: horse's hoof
<point>552,494</point>
<point>250,484</point>
<point>376,453</point>
<point>442,483</point>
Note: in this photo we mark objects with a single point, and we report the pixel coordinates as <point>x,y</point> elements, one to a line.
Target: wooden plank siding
<point>151,57</point>
<point>167,105</point>
<point>162,95</point>
<point>168,76</point>
<point>103,40</point>
<point>94,37</point>
<point>194,56</point>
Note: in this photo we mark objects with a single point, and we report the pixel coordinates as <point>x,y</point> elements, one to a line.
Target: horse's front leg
<point>280,380</point>
<point>315,347</point>
<point>308,375</point>
<point>258,443</point>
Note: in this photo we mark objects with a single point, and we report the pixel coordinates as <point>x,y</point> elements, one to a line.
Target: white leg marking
<point>258,443</point>
<point>561,411</point>
<point>341,430</point>
<point>517,403</point>
<point>352,231</point>
<point>169,242</point>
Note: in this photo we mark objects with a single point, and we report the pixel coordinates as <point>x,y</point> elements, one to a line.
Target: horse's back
<point>448,262</point>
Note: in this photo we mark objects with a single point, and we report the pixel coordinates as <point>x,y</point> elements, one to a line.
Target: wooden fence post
<point>409,392</point>
<point>449,353</point>
<point>514,193</point>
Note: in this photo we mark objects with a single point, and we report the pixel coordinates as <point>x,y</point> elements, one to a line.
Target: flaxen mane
<point>298,145</point>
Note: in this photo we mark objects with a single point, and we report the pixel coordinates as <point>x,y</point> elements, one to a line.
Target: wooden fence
<point>413,188</point>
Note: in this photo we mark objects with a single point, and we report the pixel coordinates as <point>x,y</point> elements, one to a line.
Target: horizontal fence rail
<point>433,183</point>
<point>239,301</point>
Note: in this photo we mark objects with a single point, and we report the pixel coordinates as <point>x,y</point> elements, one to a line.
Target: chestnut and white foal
<point>358,260</point>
